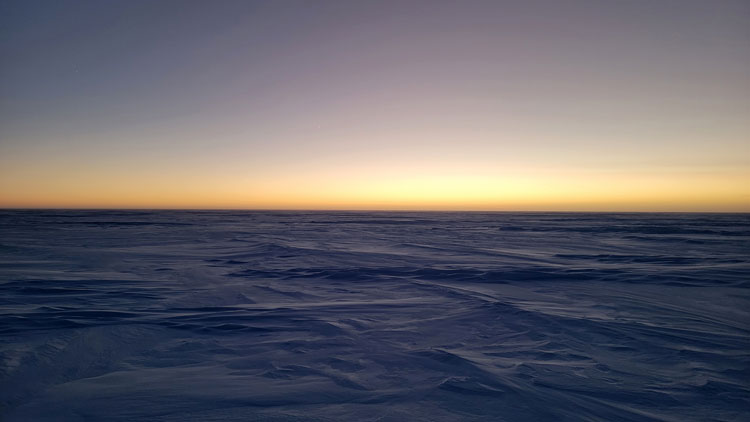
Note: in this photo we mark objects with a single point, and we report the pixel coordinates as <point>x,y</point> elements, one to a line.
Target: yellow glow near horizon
<point>380,186</point>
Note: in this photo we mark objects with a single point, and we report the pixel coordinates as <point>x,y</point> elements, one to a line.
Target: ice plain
<point>373,316</point>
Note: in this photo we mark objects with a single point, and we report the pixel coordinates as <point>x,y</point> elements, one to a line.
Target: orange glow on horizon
<point>387,189</point>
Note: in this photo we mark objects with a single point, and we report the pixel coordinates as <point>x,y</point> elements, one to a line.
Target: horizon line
<point>360,210</point>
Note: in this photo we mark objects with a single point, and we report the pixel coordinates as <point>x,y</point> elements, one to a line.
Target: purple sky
<point>405,104</point>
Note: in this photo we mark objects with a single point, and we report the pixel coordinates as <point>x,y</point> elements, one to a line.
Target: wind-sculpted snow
<point>290,316</point>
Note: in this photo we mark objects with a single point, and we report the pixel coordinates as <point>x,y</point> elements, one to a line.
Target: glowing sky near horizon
<point>487,105</point>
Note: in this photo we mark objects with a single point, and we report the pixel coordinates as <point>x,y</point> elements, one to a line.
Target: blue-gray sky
<point>633,105</point>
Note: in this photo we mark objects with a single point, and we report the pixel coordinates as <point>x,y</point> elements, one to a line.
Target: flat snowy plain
<point>373,316</point>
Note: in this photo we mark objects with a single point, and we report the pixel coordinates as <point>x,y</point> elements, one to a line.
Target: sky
<point>439,105</point>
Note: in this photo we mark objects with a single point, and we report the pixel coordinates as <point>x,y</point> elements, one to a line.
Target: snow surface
<point>318,316</point>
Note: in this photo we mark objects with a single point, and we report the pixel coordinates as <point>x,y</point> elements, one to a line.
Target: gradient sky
<point>477,105</point>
